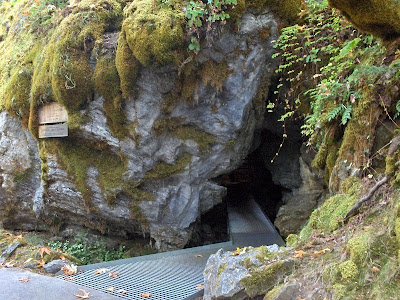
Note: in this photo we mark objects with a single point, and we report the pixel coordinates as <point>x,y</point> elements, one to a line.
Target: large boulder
<point>144,164</point>
<point>379,17</point>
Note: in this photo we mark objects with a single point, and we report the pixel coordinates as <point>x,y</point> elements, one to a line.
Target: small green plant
<point>88,253</point>
<point>43,13</point>
<point>203,17</point>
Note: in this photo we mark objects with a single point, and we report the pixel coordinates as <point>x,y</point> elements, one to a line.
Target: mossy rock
<point>127,66</point>
<point>154,34</point>
<point>163,170</point>
<point>330,215</point>
<point>262,280</point>
<point>107,83</point>
<point>348,271</point>
<point>292,240</point>
<point>360,246</point>
<point>379,17</point>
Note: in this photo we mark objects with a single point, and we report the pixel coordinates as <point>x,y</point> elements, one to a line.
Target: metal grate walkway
<point>176,275</point>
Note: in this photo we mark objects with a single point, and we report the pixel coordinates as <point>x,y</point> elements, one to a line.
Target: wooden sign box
<point>52,118</point>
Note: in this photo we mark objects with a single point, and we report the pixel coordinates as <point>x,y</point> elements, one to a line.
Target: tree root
<point>368,196</point>
<point>394,145</point>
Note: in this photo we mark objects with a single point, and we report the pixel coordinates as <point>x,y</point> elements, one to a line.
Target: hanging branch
<point>394,145</point>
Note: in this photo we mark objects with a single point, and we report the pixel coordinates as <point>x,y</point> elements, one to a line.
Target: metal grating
<point>165,280</point>
<point>175,275</point>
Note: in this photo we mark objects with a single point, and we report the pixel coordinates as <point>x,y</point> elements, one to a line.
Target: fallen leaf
<point>69,269</point>
<point>237,252</point>
<point>198,255</point>
<point>41,263</point>
<point>299,254</point>
<point>318,253</point>
<point>24,279</point>
<point>62,257</point>
<point>101,271</point>
<point>111,289</point>
<point>199,286</point>
<point>43,250</point>
<point>113,274</point>
<point>122,291</point>
<point>7,265</point>
<point>85,295</point>
<point>145,295</point>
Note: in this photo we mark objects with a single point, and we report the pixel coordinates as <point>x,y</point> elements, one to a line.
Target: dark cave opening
<point>251,179</point>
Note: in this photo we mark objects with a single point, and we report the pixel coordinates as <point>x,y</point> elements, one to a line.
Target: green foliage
<point>44,13</point>
<point>335,77</point>
<point>202,16</point>
<point>88,253</point>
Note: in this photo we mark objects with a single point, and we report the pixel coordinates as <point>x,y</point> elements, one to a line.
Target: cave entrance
<point>253,180</point>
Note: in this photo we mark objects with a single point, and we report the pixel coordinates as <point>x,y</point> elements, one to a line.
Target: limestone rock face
<point>300,202</point>
<point>19,175</point>
<point>175,165</point>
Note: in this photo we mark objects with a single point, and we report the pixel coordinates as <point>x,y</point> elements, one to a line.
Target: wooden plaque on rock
<point>52,113</point>
<point>58,130</point>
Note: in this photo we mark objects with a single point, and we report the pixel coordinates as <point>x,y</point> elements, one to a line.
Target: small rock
<point>31,265</point>
<point>290,291</point>
<point>7,253</point>
<point>55,266</point>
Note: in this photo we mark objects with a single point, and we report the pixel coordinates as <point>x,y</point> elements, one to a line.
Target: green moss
<point>17,94</point>
<point>271,295</point>
<point>76,157</point>
<point>155,35</point>
<point>356,143</point>
<point>170,100</point>
<point>247,263</point>
<point>171,124</point>
<point>43,163</point>
<point>214,74</point>
<point>379,17</point>
<point>22,176</point>
<point>238,10</point>
<point>387,284</point>
<point>340,291</point>
<point>359,247</point>
<point>263,254</point>
<point>107,83</point>
<point>397,230</point>
<point>348,271</point>
<point>292,240</point>
<point>221,269</point>
<point>331,161</point>
<point>57,68</point>
<point>203,139</point>
<point>263,279</point>
<point>163,170</point>
<point>331,273</point>
<point>287,10</point>
<point>319,160</point>
<point>189,86</point>
<point>330,215</point>
<point>127,66</point>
